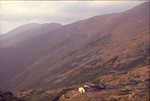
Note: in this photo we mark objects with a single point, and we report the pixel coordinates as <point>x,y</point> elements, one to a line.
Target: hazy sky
<point>16,13</point>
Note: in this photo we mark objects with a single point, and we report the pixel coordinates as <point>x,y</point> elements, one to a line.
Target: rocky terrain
<point>8,96</point>
<point>49,62</point>
<point>125,86</point>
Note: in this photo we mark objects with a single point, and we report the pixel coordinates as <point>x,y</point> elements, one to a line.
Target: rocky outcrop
<point>8,96</point>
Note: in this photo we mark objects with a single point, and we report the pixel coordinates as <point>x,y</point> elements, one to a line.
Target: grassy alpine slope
<point>112,49</point>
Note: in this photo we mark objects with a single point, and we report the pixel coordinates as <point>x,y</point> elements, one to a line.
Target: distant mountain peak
<point>51,57</point>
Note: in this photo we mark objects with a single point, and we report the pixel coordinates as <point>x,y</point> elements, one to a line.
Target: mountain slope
<point>18,50</point>
<point>125,86</point>
<point>82,51</point>
<point>26,32</point>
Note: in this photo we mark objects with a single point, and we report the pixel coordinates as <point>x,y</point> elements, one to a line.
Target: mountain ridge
<point>82,51</point>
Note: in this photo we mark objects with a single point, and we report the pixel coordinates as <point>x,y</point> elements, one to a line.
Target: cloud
<point>15,13</point>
